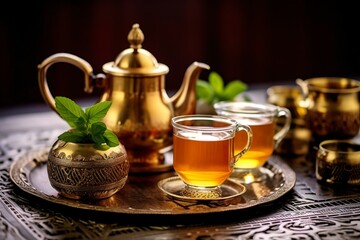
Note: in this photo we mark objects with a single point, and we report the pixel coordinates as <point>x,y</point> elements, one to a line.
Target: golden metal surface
<point>67,58</point>
<point>333,106</point>
<point>338,162</point>
<point>141,195</point>
<point>287,96</point>
<point>135,61</point>
<point>141,110</point>
<point>82,171</point>
<point>297,140</point>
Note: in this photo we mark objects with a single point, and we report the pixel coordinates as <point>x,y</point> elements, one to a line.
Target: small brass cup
<point>338,162</point>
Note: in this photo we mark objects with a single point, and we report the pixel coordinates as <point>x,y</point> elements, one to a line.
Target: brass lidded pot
<point>141,111</point>
<point>333,107</point>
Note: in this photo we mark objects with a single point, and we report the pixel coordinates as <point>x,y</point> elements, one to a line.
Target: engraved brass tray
<point>141,195</point>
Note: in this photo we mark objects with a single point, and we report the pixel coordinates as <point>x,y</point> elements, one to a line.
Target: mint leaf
<point>215,89</point>
<point>233,88</point>
<point>74,136</point>
<point>102,146</point>
<point>97,130</point>
<point>216,82</point>
<point>110,138</point>
<point>68,110</point>
<point>97,112</point>
<point>81,124</point>
<point>87,126</point>
<point>204,91</point>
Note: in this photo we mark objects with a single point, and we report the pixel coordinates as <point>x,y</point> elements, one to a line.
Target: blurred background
<point>260,42</point>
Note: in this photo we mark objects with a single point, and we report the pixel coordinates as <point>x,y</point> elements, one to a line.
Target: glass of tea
<point>203,157</point>
<point>263,120</point>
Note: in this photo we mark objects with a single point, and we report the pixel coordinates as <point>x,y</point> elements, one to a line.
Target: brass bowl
<point>338,162</point>
<point>81,171</point>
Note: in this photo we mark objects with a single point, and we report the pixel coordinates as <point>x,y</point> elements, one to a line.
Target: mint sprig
<point>87,126</point>
<point>214,90</point>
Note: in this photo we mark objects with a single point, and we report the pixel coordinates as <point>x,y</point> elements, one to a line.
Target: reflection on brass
<point>141,195</point>
<point>297,139</point>
<point>81,171</point>
<point>259,189</point>
<point>247,176</point>
<point>290,97</point>
<point>141,110</point>
<point>333,107</point>
<point>338,162</point>
<point>201,193</point>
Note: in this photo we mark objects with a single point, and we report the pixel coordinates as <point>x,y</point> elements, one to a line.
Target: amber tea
<point>262,146</point>
<point>203,160</point>
<point>203,152</point>
<point>262,119</point>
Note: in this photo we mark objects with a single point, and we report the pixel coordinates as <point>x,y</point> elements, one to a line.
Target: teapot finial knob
<point>135,37</point>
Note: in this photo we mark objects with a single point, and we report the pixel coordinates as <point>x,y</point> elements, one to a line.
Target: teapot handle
<point>67,58</point>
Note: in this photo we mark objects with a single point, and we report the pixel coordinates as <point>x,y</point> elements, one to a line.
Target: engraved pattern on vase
<point>83,171</point>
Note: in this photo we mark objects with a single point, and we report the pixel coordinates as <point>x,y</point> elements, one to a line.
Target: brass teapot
<point>141,111</point>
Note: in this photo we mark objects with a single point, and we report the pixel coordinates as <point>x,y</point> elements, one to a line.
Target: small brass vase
<point>80,171</point>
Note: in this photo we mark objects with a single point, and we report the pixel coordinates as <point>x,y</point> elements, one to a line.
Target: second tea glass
<point>262,119</point>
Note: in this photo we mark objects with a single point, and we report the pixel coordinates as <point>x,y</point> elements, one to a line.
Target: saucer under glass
<point>176,188</point>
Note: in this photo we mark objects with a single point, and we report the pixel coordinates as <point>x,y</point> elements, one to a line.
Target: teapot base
<point>151,161</point>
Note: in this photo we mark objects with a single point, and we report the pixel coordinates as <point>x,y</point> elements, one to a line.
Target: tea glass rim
<point>232,123</point>
<point>246,109</point>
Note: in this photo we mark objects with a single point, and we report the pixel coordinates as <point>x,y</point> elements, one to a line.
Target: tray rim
<point>18,164</point>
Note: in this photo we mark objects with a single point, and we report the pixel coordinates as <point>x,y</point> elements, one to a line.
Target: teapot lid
<point>135,61</point>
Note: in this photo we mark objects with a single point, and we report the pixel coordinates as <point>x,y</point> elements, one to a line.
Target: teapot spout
<point>184,100</point>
